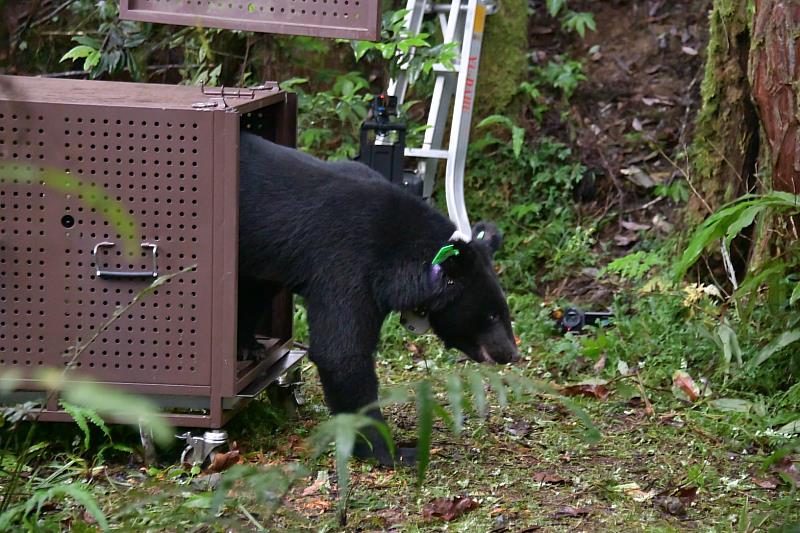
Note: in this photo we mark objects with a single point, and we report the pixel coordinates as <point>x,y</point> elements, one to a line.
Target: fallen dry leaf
<point>657,100</point>
<point>634,226</point>
<point>687,494</point>
<point>321,481</point>
<point>546,477</point>
<point>625,240</point>
<point>314,505</point>
<point>684,387</point>
<point>600,364</point>
<point>572,511</point>
<point>676,503</point>
<point>638,176</point>
<point>415,349</point>
<point>633,490</point>
<point>788,467</point>
<point>519,428</point>
<point>769,483</point>
<point>448,508</point>
<point>596,389</point>
<point>223,461</point>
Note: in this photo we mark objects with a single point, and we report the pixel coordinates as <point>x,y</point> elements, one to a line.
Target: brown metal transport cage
<point>348,19</point>
<point>167,158</point>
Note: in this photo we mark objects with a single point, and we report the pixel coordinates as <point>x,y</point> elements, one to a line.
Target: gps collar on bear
<point>416,320</point>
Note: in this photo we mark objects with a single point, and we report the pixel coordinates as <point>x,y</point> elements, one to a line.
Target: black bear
<point>357,247</point>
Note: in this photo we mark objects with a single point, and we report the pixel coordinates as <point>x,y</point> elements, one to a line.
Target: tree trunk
<point>726,144</point>
<point>504,63</point>
<point>775,77</point>
<point>751,91</point>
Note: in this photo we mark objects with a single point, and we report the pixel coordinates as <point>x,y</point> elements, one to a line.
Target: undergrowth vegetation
<point>720,353</point>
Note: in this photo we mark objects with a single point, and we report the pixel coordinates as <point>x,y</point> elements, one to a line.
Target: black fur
<point>357,247</point>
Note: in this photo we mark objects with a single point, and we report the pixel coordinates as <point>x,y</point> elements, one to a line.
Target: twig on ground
<point>685,175</point>
<point>648,407</point>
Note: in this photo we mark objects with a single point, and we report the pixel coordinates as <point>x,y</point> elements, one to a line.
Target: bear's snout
<point>499,356</point>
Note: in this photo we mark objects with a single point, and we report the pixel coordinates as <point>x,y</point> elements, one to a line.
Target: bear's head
<point>470,313</point>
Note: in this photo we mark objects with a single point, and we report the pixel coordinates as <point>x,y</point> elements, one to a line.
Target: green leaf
<point>119,405</point>
<point>745,218</point>
<point>424,428</point>
<point>388,51</point>
<point>455,394</point>
<point>709,231</point>
<point>77,415</point>
<point>783,340</point>
<point>732,405</point>
<point>496,119</point>
<point>87,40</point>
<point>345,441</point>
<point>360,48</point>
<point>795,294</point>
<point>78,52</point>
<point>9,380</point>
<point>291,83</point>
<point>730,347</point>
<point>731,219</point>
<point>579,22</point>
<point>591,433</point>
<point>478,393</point>
<point>554,7</point>
<point>77,493</point>
<point>517,138</point>
<point>792,428</point>
<point>498,387</point>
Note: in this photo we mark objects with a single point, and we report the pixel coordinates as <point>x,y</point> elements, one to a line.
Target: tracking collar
<point>417,320</point>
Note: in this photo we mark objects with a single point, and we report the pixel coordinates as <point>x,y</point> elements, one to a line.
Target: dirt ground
<point>631,120</point>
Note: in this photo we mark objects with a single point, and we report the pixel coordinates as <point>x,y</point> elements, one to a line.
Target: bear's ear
<point>454,261</point>
<point>487,234</point>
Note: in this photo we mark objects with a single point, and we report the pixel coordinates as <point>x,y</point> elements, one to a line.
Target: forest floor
<point>661,463</point>
<point>629,122</point>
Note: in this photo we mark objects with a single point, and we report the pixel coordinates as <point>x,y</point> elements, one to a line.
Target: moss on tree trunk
<point>726,143</point>
<point>503,59</point>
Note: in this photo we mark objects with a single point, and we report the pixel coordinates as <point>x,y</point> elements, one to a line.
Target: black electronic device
<point>574,320</point>
<point>383,144</point>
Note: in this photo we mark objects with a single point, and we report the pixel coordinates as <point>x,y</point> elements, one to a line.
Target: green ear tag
<point>443,253</point>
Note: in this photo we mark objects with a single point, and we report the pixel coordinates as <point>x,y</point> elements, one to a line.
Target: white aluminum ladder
<point>462,21</point>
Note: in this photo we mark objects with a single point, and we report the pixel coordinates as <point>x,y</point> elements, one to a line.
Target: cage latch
<point>219,95</point>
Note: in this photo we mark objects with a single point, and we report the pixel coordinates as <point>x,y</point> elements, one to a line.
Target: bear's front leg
<point>343,342</point>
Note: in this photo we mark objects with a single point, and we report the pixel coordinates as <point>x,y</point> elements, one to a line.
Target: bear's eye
<point>493,317</point>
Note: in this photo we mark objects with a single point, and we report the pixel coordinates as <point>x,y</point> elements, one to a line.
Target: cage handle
<point>108,274</point>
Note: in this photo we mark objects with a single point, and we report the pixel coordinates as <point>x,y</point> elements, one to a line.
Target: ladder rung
<point>426,153</point>
<point>438,67</point>
<point>442,8</point>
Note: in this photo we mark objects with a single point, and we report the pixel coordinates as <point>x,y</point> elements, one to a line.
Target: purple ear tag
<point>435,274</point>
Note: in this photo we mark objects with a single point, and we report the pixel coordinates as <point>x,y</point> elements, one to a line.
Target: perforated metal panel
<point>348,19</point>
<point>170,166</point>
<point>154,168</point>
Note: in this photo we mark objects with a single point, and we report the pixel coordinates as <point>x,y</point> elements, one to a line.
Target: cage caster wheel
<point>200,450</point>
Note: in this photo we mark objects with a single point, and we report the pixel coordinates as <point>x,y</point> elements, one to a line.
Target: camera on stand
<point>383,144</point>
